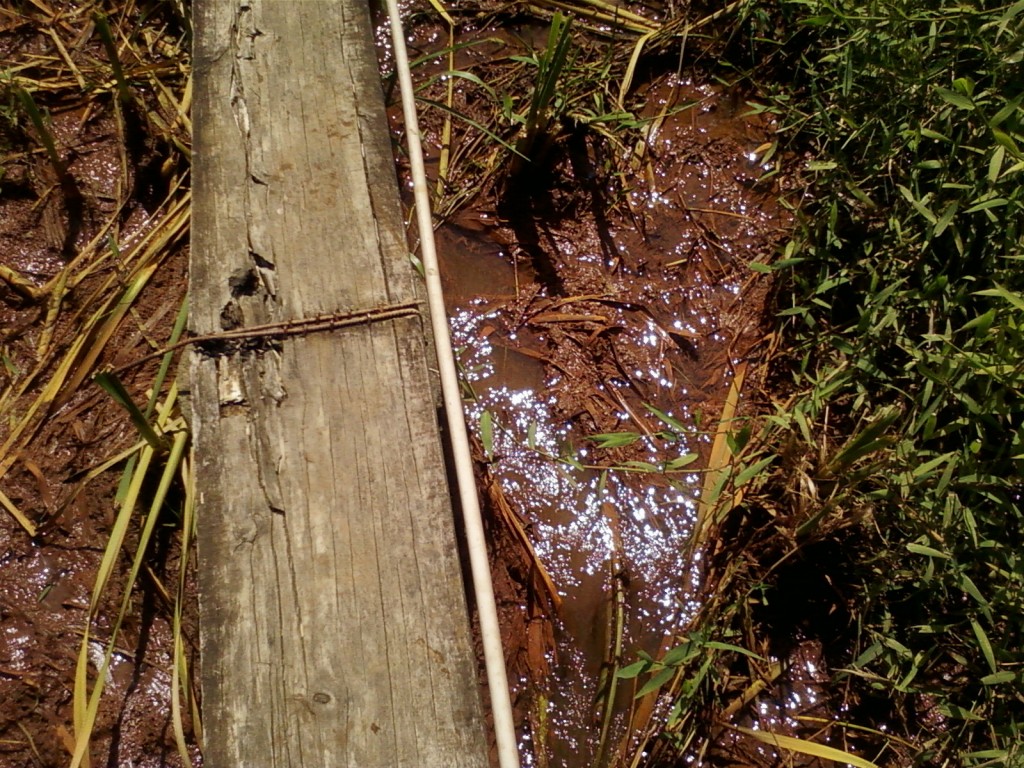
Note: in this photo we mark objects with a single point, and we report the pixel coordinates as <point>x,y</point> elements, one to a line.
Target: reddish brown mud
<point>632,324</point>
<point>105,184</point>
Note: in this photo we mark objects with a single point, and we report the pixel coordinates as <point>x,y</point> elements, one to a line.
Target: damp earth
<point>71,224</point>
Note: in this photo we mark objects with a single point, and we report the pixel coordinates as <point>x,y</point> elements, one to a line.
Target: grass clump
<point>890,528</point>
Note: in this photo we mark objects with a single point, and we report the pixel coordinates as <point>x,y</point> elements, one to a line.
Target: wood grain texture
<point>334,625</point>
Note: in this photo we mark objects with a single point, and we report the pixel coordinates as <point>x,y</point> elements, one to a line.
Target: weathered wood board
<point>334,625</point>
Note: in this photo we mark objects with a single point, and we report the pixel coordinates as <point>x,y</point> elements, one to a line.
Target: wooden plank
<point>334,625</point>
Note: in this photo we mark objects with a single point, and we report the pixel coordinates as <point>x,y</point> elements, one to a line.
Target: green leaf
<point>669,421</point>
<point>656,682</point>
<point>873,652</point>
<point>470,121</point>
<point>971,589</point>
<point>995,164</point>
<point>681,461</point>
<point>748,473</point>
<point>984,205</point>
<point>573,462</point>
<point>730,647</point>
<point>1004,139</point>
<point>615,439</point>
<point>113,387</point>
<point>682,653</point>
<point>997,678</point>
<point>1014,298</point>
<point>958,100</point>
<point>925,470</point>
<point>959,713</point>
<point>639,466</point>
<point>865,442</point>
<point>487,433</point>
<point>985,645</point>
<point>995,756</point>
<point>920,549</point>
<point>945,219</point>
<point>919,205</point>
<point>632,670</point>
<point>897,646</point>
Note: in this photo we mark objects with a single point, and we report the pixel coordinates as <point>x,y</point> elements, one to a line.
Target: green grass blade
<point>113,387</point>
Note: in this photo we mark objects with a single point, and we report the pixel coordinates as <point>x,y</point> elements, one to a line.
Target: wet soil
<point>635,323</point>
<point>603,302</point>
<point>59,215</point>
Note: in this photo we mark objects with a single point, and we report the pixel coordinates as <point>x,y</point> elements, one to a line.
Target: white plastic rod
<point>490,632</point>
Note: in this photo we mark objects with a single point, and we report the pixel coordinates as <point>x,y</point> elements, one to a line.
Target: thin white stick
<point>494,657</point>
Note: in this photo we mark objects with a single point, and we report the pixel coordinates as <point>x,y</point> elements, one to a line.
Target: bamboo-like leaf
<point>999,678</point>
<point>749,473</point>
<point>473,123</point>
<point>681,461</point>
<point>639,466</point>
<point>615,439</point>
<point>986,646</point>
<point>487,433</point>
<point>671,422</point>
<point>865,442</point>
<point>921,549</point>
<point>107,37</point>
<point>442,12</point>
<point>104,332</point>
<point>632,670</point>
<point>733,648</point>
<point>86,703</point>
<point>1000,292</point>
<point>46,138</point>
<point>813,749</point>
<point>188,528</point>
<point>956,711</point>
<point>634,59</point>
<point>656,682</point>
<point>165,364</point>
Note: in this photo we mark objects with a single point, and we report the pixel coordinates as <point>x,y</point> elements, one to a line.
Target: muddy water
<point>571,323</point>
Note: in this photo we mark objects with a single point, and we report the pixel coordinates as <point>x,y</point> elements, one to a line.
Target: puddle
<point>585,305</point>
<point>576,326</point>
<point>474,270</point>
